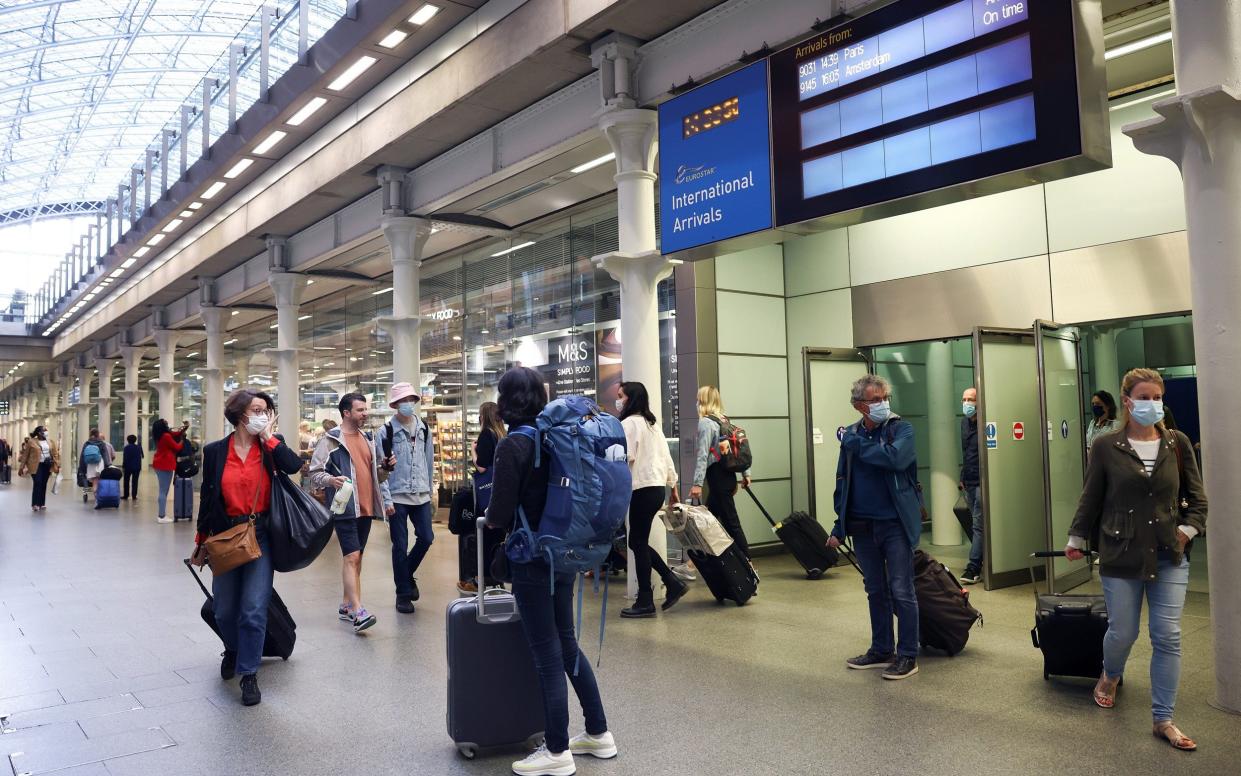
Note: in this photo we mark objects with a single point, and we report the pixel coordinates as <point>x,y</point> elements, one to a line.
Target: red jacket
<point>166,451</point>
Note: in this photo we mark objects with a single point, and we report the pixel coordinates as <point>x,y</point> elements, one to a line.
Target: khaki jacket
<point>28,462</point>
<point>1138,515</point>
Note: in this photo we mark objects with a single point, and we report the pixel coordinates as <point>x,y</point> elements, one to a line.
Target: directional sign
<point>1019,431</point>
<point>992,436</point>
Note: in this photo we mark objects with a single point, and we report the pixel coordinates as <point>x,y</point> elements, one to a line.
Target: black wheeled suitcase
<point>1069,630</point>
<point>281,629</point>
<point>494,698</point>
<point>806,539</point>
<point>945,614</point>
<point>729,576</point>
<point>182,498</point>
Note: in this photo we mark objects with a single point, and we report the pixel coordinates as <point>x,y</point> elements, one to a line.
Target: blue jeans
<point>974,500</point>
<point>1166,598</point>
<point>405,564</point>
<point>887,561</point>
<point>547,620</point>
<point>165,482</point>
<point>241,598</point>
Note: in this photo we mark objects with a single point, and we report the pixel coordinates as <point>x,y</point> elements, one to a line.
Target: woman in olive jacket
<point>1143,491</point>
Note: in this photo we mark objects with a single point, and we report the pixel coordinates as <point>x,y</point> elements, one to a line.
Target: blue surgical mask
<point>1146,412</point>
<point>969,408</point>
<point>879,411</point>
<point>407,409</point>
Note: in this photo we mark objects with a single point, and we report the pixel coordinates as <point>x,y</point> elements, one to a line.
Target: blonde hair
<point>709,402</point>
<point>1133,378</point>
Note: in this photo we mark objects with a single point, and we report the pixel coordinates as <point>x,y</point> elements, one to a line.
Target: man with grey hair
<point>879,504</point>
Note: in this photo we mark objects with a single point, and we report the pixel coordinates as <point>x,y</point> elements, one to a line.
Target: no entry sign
<point>1019,431</point>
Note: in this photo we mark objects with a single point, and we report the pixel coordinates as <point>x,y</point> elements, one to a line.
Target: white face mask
<point>256,423</point>
<point>620,406</point>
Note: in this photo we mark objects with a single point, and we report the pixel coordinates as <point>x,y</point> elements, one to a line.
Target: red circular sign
<point>1019,431</point>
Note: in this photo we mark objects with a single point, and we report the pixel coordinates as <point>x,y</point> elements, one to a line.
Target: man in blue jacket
<point>409,459</point>
<point>879,505</point>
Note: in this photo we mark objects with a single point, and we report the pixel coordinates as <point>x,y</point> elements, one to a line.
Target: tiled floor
<point>106,669</point>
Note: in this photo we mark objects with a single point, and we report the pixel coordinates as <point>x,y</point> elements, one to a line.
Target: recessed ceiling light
<point>359,67</point>
<point>394,38</point>
<point>310,282</point>
<point>307,111</point>
<point>127,263</point>
<point>236,312</point>
<point>156,240</point>
<point>514,248</point>
<point>274,326</point>
<point>195,205</point>
<point>191,355</point>
<point>141,252</point>
<point>238,169</point>
<point>90,296</point>
<point>424,14</point>
<point>593,163</point>
<point>172,225</point>
<point>382,291</point>
<point>214,189</point>
<point>116,273</point>
<point>229,342</point>
<point>304,318</point>
<point>270,142</point>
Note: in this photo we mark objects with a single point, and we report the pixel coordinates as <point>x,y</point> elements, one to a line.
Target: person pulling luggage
<point>237,482</point>
<point>878,505</point>
<point>1144,492</point>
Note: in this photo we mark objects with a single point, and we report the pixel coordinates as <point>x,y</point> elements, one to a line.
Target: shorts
<point>93,470</point>
<point>352,534</point>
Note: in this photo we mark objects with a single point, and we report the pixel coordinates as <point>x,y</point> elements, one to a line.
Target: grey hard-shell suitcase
<point>494,698</point>
<point>182,498</point>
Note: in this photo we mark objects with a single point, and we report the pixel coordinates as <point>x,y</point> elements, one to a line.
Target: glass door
<point>1064,459</point>
<point>829,374</point>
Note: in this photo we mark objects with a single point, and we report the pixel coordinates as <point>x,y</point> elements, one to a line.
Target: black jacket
<point>516,482</point>
<point>485,449</point>
<point>212,517</point>
<point>969,452</point>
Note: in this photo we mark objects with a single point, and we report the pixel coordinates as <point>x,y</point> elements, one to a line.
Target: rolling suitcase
<point>281,629</point>
<point>182,499</point>
<point>1069,630</point>
<point>945,615</point>
<point>806,539</point>
<point>729,576</point>
<point>494,698</point>
<point>107,494</point>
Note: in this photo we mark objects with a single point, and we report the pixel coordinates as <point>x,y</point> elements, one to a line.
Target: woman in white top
<point>651,465</point>
<point>1103,406</point>
<point>40,459</point>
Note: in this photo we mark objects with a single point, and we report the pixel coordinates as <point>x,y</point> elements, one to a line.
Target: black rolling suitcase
<point>1069,630</point>
<point>945,615</point>
<point>494,697</point>
<point>729,576</point>
<point>281,629</point>
<point>806,539</point>
<point>182,499</point>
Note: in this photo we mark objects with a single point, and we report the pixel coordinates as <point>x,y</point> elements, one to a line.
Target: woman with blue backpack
<point>544,595</point>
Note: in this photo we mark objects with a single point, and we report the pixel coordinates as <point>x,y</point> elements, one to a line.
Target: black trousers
<point>721,485</point>
<point>126,491</point>
<point>41,475</point>
<point>643,506</point>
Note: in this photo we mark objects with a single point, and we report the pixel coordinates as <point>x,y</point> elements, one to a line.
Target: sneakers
<point>344,613</point>
<point>870,660</point>
<point>467,587</point>
<point>413,582</point>
<point>971,576</point>
<point>404,605</point>
<point>543,763</point>
<point>602,746</point>
<point>684,572</point>
<point>362,620</point>
<point>903,668</point>
<point>228,666</point>
<point>164,520</point>
<point>250,695</point>
<point>674,594</point>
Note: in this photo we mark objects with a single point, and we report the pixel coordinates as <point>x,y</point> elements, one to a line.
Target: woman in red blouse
<point>237,480</point>
<point>167,444</point>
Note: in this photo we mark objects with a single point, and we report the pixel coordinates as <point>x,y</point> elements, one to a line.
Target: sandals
<point>1173,735</point>
<point>1105,692</point>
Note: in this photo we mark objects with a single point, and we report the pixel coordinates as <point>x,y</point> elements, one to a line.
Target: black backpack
<point>188,460</point>
<point>733,446</point>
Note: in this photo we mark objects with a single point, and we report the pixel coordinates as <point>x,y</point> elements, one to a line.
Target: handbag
<point>238,545</point>
<point>965,515</point>
<point>299,527</point>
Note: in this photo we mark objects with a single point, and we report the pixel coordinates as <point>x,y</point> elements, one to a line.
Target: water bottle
<point>343,494</point>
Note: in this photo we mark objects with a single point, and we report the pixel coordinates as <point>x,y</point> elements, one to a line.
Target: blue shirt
<point>869,497</point>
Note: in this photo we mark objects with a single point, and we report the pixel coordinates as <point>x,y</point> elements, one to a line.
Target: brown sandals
<point>1105,691</point>
<point>1173,735</point>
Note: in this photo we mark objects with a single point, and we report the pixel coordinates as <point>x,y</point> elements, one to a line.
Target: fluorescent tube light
<point>141,252</point>
<point>359,67</point>
<point>116,273</point>
<point>238,169</point>
<point>236,312</point>
<point>307,111</point>
<point>507,251</point>
<point>424,14</point>
<point>156,239</point>
<point>172,225</point>
<point>195,205</point>
<point>1138,45</point>
<point>593,163</point>
<point>127,263</point>
<point>382,291</point>
<point>187,214</point>
<point>270,142</point>
<point>394,38</point>
<point>230,342</point>
<point>304,318</point>
<point>214,189</point>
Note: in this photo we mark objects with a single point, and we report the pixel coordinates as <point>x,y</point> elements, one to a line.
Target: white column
<point>53,411</point>
<point>288,290</point>
<point>131,357</point>
<point>165,385</point>
<point>215,319</point>
<point>1198,130</point>
<point>105,366</point>
<point>83,406</point>
<point>945,441</point>
<point>144,418</point>
<point>1105,368</point>
<point>407,236</point>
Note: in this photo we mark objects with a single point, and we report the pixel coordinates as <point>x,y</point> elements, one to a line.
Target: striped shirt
<point>1147,451</point>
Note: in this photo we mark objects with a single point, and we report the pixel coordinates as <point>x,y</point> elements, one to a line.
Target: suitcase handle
<point>197,577</point>
<point>483,616</point>
<point>760,506</point>
<point>1048,554</point>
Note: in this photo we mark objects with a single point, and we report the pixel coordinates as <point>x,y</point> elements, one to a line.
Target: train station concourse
<point>742,345</point>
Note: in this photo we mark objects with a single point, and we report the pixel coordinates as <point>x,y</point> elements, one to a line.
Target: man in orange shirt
<point>349,454</point>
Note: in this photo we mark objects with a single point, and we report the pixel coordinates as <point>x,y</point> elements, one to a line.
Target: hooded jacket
<point>331,459</point>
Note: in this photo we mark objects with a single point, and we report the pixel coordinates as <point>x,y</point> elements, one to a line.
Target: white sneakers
<point>543,763</point>
<point>163,520</point>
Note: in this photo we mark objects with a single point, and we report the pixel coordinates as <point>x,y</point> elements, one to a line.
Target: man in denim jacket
<point>409,458</point>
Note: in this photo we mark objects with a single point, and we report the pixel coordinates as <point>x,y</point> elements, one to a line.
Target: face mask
<point>256,423</point>
<point>969,408</point>
<point>1146,413</point>
<point>1097,410</point>
<point>879,411</point>
<point>620,406</point>
<point>407,409</point>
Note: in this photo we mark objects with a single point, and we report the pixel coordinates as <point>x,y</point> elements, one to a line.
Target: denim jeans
<point>165,482</point>
<point>547,619</point>
<point>974,500</point>
<point>887,561</point>
<point>1166,598</point>
<point>406,562</point>
<point>241,598</point>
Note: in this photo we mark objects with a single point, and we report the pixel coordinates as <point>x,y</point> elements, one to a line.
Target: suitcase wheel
<point>719,599</point>
<point>468,751</point>
<point>814,574</point>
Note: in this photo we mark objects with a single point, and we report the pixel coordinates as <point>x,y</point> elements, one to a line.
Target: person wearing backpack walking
<point>653,472</point>
<point>93,458</point>
<point>519,497</point>
<point>712,466</point>
<point>409,459</point>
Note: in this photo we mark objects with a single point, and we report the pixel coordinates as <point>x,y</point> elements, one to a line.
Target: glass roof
<point>87,85</point>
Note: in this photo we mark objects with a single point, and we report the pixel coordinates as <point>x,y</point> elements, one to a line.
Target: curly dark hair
<point>522,395</point>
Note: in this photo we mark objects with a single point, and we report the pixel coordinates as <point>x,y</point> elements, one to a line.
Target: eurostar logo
<point>686,173</point>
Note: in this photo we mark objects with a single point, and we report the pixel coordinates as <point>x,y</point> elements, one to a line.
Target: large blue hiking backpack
<point>588,487</point>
